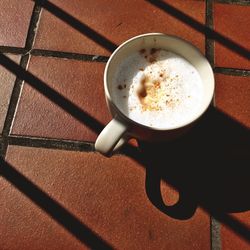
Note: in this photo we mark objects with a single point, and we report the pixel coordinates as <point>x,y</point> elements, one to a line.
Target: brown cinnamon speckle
<point>152,59</point>
<point>142,92</point>
<point>153,51</point>
<point>142,51</point>
<point>157,84</point>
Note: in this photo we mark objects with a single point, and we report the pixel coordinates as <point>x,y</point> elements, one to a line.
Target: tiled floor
<point>56,192</point>
<point>7,81</point>
<point>130,18</point>
<point>69,78</point>
<point>14,22</point>
<point>230,20</point>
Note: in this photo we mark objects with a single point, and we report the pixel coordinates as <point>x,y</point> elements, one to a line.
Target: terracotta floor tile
<point>232,21</point>
<point>80,82</point>
<point>7,81</point>
<point>232,97</point>
<point>105,194</point>
<point>230,240</point>
<point>14,21</point>
<point>117,23</point>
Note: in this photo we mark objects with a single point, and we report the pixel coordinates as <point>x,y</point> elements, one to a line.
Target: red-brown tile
<point>25,226</point>
<point>105,194</point>
<point>232,21</point>
<point>7,81</point>
<point>231,241</point>
<point>117,22</point>
<point>232,97</point>
<point>14,21</point>
<point>80,82</point>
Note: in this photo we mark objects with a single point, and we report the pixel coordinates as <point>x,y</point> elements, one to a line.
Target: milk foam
<point>157,88</point>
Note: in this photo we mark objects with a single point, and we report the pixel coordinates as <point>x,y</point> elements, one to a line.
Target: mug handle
<point>111,137</point>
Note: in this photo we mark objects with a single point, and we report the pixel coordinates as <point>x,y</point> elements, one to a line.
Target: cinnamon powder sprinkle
<point>153,51</point>
<point>152,60</point>
<point>142,51</point>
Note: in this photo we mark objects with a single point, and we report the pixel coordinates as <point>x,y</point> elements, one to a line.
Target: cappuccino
<point>157,88</point>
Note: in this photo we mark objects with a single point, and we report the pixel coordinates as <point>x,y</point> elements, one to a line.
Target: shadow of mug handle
<point>183,209</point>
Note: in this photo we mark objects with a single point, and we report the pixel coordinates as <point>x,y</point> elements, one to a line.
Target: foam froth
<point>157,88</point>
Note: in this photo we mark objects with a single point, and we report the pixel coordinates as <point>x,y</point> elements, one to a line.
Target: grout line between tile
<point>17,89</point>
<point>99,58</point>
<point>209,48</point>
<point>15,96</point>
<point>52,53</point>
<point>34,21</point>
<point>215,234</point>
<point>13,50</point>
<point>69,55</point>
<point>51,143</point>
<point>233,72</point>
<point>238,2</point>
<point>209,43</point>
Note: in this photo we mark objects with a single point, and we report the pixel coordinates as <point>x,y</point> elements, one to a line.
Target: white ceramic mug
<point>121,128</point>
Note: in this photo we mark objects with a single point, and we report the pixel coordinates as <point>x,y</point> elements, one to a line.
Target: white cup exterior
<point>121,127</point>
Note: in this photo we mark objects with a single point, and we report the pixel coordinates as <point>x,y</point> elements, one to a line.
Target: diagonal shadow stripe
<point>73,109</point>
<point>52,207</point>
<point>210,33</point>
<point>76,24</point>
<point>79,114</point>
<point>51,94</point>
<point>101,40</point>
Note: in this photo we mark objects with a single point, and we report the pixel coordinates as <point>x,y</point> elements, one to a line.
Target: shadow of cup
<point>208,167</point>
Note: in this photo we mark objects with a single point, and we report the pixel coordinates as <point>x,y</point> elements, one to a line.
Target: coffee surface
<point>157,88</point>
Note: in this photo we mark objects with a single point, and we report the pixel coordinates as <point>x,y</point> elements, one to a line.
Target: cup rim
<point>129,120</point>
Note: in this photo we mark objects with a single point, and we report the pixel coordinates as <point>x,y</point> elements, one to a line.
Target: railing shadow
<point>52,94</point>
<point>54,209</point>
<point>110,46</point>
<point>60,214</point>
<point>197,165</point>
<point>76,24</point>
<point>195,182</point>
<point>210,33</point>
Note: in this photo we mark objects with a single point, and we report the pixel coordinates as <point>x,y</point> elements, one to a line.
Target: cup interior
<point>169,43</point>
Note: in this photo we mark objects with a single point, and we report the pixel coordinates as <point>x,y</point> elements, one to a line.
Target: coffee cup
<point>158,52</point>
